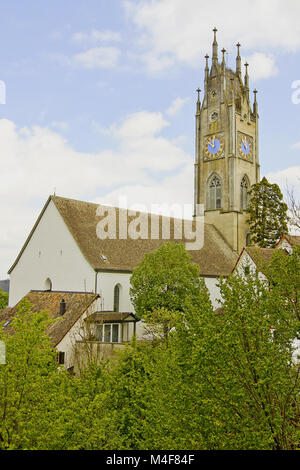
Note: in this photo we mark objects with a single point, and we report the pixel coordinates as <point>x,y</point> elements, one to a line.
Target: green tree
<point>154,401</point>
<point>3,299</point>
<point>41,405</point>
<point>162,285</point>
<point>229,379</point>
<point>29,363</point>
<point>283,274</point>
<point>242,359</point>
<point>267,214</point>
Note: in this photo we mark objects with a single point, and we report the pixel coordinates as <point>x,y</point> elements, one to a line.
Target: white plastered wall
<point>106,283</point>
<point>214,291</point>
<point>51,253</point>
<point>76,333</point>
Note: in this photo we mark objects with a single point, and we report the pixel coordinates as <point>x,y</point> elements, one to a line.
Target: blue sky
<point>100,98</point>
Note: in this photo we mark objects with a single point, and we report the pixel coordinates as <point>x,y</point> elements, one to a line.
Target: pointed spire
<point>198,101</point>
<point>246,76</point>
<point>223,59</point>
<point>215,47</point>
<point>255,105</point>
<point>238,60</point>
<point>206,67</point>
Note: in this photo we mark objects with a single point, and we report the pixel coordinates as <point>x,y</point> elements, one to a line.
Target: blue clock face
<point>214,145</point>
<point>245,147</point>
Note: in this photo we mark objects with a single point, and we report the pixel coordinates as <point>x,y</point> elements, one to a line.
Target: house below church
<point>253,260</point>
<point>80,331</point>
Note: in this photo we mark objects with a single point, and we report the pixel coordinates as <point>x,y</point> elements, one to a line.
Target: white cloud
<point>96,37</point>
<point>36,161</point>
<point>176,106</point>
<point>177,31</point>
<point>296,146</point>
<point>261,65</point>
<point>287,178</point>
<point>140,125</point>
<point>175,190</point>
<point>97,57</point>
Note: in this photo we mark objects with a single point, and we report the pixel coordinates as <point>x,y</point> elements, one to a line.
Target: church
<point>66,268</point>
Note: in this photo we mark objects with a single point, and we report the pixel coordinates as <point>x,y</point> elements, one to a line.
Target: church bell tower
<point>227,158</point>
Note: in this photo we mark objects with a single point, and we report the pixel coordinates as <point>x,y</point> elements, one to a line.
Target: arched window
<point>117,298</point>
<point>215,193</point>
<point>48,284</point>
<point>244,193</point>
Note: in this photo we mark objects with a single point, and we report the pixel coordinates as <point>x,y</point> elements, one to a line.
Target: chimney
<point>62,308</point>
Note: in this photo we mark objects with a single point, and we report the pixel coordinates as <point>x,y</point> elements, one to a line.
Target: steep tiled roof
<point>110,317</point>
<point>215,258</point>
<point>77,303</point>
<point>260,255</point>
<point>293,239</point>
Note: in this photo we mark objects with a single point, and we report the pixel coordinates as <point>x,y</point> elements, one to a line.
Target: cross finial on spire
<point>215,46</point>
<point>206,65</point>
<point>223,52</point>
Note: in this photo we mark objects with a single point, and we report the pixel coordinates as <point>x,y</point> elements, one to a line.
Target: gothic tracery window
<point>215,193</point>
<point>244,193</point>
